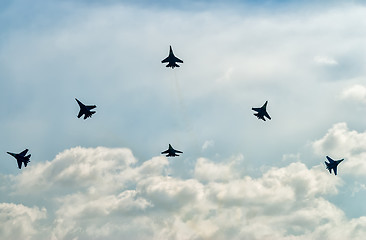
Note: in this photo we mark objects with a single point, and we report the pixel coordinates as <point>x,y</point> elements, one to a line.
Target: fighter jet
<point>21,158</point>
<point>171,152</point>
<point>261,112</point>
<point>332,165</point>
<point>85,110</point>
<point>171,60</point>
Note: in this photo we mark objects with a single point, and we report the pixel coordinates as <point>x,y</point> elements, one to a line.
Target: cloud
<point>75,169</point>
<point>341,142</point>
<point>86,48</point>
<point>20,222</point>
<point>356,93</point>
<point>208,144</point>
<point>322,60</point>
<point>99,52</point>
<point>114,196</point>
<point>205,170</point>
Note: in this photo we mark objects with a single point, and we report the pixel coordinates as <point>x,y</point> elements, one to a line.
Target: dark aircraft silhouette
<point>85,110</point>
<point>332,165</point>
<point>21,158</point>
<point>262,112</point>
<point>171,152</point>
<point>171,60</point>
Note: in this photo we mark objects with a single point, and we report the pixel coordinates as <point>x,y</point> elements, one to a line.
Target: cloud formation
<point>104,193</point>
<point>21,222</point>
<point>88,47</point>
<point>341,142</point>
<point>356,93</point>
<point>107,193</point>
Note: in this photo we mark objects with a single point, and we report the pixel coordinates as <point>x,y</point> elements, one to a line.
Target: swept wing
<point>330,160</point>
<point>23,153</point>
<point>19,163</point>
<point>267,115</point>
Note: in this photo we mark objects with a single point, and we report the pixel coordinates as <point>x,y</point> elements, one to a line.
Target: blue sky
<point>237,174</point>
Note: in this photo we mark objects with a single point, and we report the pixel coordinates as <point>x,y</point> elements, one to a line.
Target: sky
<point>239,177</point>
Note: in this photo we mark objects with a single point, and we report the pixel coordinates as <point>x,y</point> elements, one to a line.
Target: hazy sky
<point>239,177</point>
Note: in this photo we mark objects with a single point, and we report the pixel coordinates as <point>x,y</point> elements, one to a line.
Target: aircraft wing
<point>19,164</point>
<point>165,152</point>
<point>91,107</point>
<point>23,153</point>
<point>177,151</point>
<point>165,60</point>
<point>177,60</point>
<point>80,104</point>
<point>335,170</point>
<point>267,115</point>
<point>329,159</point>
<point>80,114</point>
<point>256,109</point>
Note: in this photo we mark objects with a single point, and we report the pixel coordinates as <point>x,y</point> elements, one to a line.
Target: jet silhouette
<point>261,112</point>
<point>21,158</point>
<point>85,110</point>
<point>332,165</point>
<point>171,59</point>
<point>171,152</point>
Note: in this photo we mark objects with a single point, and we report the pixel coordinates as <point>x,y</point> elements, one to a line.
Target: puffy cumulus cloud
<point>20,222</point>
<point>90,213</point>
<point>205,170</point>
<point>115,197</point>
<point>76,168</point>
<point>341,142</point>
<point>356,93</point>
<point>294,183</point>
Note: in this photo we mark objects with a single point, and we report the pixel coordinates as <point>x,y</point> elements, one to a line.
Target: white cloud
<point>206,170</point>
<point>356,93</point>
<point>341,142</point>
<point>75,169</point>
<point>92,47</point>
<point>208,144</point>
<point>20,222</point>
<point>105,193</point>
<point>323,60</point>
<point>143,203</point>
